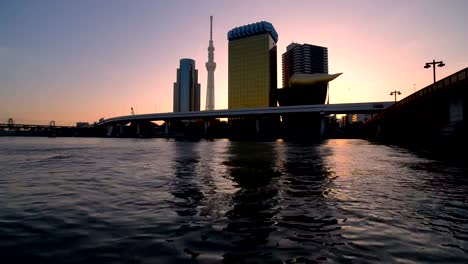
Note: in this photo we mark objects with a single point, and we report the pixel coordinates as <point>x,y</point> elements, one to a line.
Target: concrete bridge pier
<point>206,128</point>
<point>166,128</point>
<point>109,130</point>
<point>138,129</point>
<point>257,127</point>
<point>456,118</point>
<point>121,127</point>
<point>456,109</point>
<point>322,124</point>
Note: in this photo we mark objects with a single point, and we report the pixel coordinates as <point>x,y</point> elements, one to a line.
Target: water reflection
<point>185,185</point>
<point>309,225</point>
<point>216,187</point>
<point>251,219</point>
<point>339,201</point>
<point>395,199</point>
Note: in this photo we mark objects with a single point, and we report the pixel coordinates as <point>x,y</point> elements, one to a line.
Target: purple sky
<point>73,61</point>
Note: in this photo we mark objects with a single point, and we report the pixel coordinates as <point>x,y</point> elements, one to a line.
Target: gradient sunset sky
<point>73,61</point>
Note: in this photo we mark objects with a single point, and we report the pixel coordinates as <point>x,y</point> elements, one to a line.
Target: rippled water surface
<point>78,200</point>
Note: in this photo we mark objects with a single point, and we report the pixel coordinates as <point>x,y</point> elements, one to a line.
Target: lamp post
<point>395,93</point>
<point>433,64</point>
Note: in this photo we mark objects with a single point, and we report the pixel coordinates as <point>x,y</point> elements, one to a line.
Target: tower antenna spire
<point>211,27</point>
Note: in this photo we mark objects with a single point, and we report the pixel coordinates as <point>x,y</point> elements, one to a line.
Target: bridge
<point>256,114</point>
<point>434,115</point>
<point>13,129</point>
<point>325,109</point>
<point>25,127</point>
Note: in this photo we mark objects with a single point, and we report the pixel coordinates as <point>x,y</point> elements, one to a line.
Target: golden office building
<point>252,66</point>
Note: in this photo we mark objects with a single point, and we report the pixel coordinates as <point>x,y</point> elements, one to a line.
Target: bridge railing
<point>434,87</point>
<point>449,80</point>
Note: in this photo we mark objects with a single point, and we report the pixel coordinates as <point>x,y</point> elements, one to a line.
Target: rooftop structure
<point>253,29</point>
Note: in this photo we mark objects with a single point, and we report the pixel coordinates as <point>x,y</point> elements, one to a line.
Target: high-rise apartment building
<point>305,75</point>
<point>252,66</point>
<point>187,88</point>
<point>303,58</point>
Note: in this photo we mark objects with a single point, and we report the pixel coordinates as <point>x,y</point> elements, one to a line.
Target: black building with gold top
<point>305,75</point>
<point>305,82</point>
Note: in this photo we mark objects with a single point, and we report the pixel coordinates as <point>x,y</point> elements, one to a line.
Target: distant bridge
<point>12,129</point>
<point>12,126</point>
<point>325,109</point>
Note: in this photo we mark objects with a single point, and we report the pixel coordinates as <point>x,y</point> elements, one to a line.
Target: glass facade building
<point>252,66</point>
<point>187,88</point>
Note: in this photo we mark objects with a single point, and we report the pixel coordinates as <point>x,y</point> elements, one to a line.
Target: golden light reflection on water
<point>339,158</point>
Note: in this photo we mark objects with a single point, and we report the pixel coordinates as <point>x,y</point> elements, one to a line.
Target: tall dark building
<point>252,66</point>
<point>305,75</point>
<point>304,58</point>
<point>187,88</point>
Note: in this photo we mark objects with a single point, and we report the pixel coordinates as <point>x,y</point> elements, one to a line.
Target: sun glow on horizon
<point>81,61</point>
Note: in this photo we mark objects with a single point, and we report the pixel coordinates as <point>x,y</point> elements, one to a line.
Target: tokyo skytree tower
<point>210,67</point>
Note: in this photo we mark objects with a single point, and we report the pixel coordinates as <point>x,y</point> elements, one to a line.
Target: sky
<point>78,61</point>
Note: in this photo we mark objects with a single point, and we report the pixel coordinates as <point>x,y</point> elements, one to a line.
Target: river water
<point>88,200</point>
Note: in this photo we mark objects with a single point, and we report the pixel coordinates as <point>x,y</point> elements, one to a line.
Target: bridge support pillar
<point>109,130</point>
<point>121,130</point>
<point>257,127</point>
<point>206,127</point>
<point>322,125</point>
<point>456,109</point>
<point>137,129</point>
<point>378,132</point>
<point>455,117</point>
<point>166,128</point>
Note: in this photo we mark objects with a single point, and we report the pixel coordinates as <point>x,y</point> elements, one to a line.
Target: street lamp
<point>433,64</point>
<point>395,93</point>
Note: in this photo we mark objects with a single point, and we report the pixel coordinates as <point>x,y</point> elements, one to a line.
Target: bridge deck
<point>354,108</point>
<point>28,126</point>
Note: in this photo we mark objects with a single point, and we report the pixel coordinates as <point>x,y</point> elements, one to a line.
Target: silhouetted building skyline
<point>252,75</point>
<point>187,88</point>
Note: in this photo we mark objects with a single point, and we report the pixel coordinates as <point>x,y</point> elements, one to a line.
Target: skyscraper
<point>252,66</point>
<point>305,75</point>
<point>304,58</point>
<point>210,67</point>
<point>187,88</point>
